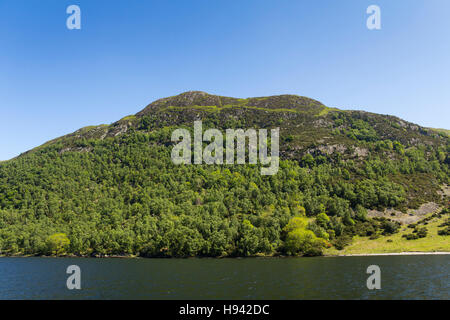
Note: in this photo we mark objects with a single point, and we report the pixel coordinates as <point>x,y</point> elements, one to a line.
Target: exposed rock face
<point>330,149</point>
<point>445,191</point>
<point>361,152</point>
<point>412,215</point>
<point>120,129</point>
<point>76,149</point>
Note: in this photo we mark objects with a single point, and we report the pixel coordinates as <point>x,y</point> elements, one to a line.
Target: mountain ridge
<point>201,98</point>
<point>192,100</point>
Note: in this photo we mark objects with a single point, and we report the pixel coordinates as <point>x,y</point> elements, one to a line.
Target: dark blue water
<point>402,277</point>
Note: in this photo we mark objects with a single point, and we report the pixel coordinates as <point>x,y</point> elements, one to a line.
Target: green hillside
<point>113,189</point>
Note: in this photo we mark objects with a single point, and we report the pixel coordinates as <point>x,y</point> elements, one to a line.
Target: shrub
<point>342,241</point>
<point>422,232</point>
<point>444,232</point>
<point>374,236</point>
<point>390,227</point>
<point>419,232</point>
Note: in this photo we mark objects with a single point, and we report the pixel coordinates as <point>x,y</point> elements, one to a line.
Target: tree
<point>296,223</point>
<point>57,243</point>
<point>323,220</point>
<point>307,160</point>
<point>301,241</point>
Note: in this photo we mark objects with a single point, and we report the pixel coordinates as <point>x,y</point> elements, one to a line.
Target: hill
<point>113,189</point>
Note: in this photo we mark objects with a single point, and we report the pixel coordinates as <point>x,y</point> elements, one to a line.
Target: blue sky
<point>54,81</point>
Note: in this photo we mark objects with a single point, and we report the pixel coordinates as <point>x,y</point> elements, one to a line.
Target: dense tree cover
<point>123,195</point>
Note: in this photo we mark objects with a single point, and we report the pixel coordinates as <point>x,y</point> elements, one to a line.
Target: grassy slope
<point>444,131</point>
<point>432,242</point>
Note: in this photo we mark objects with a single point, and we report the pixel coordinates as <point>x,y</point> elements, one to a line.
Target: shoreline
<point>407,253</point>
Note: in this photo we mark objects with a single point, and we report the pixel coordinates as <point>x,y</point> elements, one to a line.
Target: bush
<point>342,241</point>
<point>410,236</point>
<point>445,224</point>
<point>417,234</point>
<point>374,236</point>
<point>390,227</point>
<point>422,232</point>
<point>444,232</point>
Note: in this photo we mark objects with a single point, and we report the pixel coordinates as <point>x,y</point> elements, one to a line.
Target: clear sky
<point>54,81</point>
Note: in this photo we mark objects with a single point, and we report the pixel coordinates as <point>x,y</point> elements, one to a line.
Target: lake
<point>402,277</point>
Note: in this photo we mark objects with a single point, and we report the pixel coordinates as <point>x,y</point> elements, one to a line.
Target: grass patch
<point>128,118</point>
<point>432,242</point>
<point>325,111</point>
<point>442,131</point>
<point>216,108</point>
